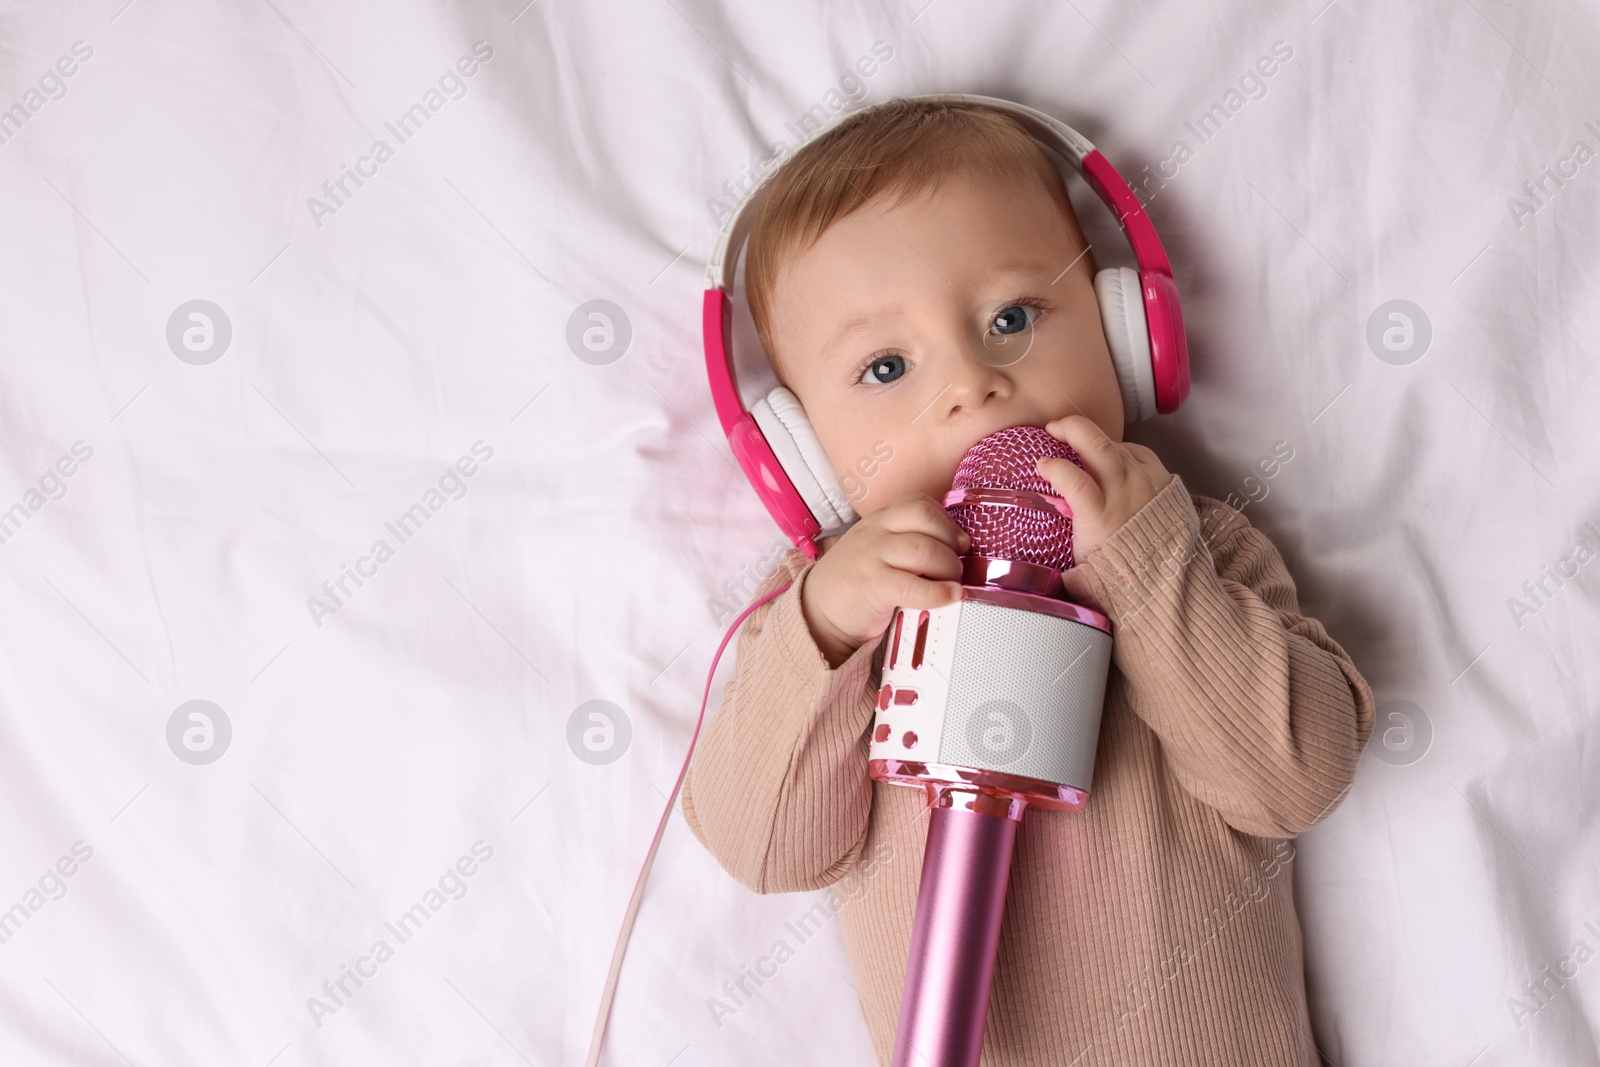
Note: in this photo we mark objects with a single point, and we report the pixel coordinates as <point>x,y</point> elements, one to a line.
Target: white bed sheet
<point>378,741</point>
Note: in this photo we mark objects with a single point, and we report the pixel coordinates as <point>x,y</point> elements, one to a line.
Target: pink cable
<point>618,952</point>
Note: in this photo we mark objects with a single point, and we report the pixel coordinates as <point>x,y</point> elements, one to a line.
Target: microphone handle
<point>954,937</point>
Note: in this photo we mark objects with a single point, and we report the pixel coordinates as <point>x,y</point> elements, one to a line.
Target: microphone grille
<point>1005,460</point>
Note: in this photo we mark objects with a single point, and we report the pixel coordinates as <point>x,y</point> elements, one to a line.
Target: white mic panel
<point>994,688</point>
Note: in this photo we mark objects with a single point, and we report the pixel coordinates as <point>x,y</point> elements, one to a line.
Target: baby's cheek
<point>871,479</point>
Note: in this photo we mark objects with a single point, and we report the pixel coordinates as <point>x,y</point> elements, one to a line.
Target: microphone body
<point>989,705</point>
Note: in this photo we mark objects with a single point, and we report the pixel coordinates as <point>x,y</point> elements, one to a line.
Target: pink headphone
<point>774,442</point>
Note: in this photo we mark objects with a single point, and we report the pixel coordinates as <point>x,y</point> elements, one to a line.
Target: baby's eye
<point>884,370</point>
<point>1014,319</point>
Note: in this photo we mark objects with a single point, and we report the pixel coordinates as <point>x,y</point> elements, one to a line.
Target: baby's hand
<point>1120,479</point>
<point>884,561</point>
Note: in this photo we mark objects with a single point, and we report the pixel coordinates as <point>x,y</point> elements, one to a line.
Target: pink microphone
<point>989,705</point>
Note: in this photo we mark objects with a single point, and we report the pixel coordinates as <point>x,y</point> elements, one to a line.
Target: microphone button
<point>910,739</point>
<point>881,734</point>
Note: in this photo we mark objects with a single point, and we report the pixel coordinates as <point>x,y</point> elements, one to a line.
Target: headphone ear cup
<point>1121,297</point>
<point>784,424</point>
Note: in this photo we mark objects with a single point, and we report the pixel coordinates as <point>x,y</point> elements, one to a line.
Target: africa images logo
<point>337,591</point>
<point>451,85</point>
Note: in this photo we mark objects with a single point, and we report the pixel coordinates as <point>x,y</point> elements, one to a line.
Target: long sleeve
<point>778,790</point>
<point>1261,715</point>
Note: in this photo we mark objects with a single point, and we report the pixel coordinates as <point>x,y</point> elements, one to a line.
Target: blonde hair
<point>899,148</point>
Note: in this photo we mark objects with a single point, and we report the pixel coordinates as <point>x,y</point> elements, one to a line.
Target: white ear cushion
<point>784,424</point>
<point>1128,336</point>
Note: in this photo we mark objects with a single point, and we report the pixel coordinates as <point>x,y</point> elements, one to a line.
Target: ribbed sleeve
<point>1262,715</point>
<point>778,790</point>
<point>1156,926</point>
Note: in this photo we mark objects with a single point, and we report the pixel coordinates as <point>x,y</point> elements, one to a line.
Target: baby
<point>919,280</point>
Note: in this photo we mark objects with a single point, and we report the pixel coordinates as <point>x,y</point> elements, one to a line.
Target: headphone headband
<point>1050,132</point>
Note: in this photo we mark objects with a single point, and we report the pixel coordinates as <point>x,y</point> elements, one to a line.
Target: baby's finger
<point>925,515</point>
<point>1072,483</point>
<point>910,591</point>
<point>1099,453</point>
<point>918,553</point>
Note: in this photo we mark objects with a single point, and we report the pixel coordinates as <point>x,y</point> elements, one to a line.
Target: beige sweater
<point>1155,926</point>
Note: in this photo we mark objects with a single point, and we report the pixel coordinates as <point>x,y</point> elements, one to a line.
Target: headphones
<point>774,442</point>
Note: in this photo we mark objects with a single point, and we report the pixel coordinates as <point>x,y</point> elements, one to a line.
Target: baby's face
<point>914,331</point>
